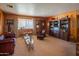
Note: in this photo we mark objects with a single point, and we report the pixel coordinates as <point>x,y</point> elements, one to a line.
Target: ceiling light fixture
<point>10,6</point>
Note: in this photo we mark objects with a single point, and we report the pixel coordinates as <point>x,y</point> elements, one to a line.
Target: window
<point>25,23</point>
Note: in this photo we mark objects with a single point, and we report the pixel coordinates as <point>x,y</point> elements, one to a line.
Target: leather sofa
<point>7,45</point>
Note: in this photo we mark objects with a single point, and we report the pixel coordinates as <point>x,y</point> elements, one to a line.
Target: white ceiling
<point>39,9</point>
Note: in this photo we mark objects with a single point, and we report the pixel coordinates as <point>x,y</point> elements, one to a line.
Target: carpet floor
<point>50,46</point>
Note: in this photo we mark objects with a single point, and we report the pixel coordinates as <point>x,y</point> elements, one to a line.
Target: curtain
<point>25,24</point>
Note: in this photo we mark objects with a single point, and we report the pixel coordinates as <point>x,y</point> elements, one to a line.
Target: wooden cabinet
<point>56,28</point>
<point>60,28</point>
<point>65,28</point>
<point>51,26</point>
<point>40,25</point>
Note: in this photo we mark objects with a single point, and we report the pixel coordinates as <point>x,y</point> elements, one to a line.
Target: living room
<point>53,27</point>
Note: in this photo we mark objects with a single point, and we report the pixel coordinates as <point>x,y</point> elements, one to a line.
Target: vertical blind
<point>25,24</point>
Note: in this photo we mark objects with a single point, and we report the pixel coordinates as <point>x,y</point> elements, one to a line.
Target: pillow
<point>1,37</point>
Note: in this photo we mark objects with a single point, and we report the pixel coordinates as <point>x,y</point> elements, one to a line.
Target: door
<point>78,29</point>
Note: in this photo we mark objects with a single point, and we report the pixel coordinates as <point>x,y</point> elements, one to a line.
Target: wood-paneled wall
<point>71,15</point>
<point>15,17</point>
<point>1,21</point>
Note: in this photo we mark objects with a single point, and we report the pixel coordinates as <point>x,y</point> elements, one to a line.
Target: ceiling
<point>39,9</point>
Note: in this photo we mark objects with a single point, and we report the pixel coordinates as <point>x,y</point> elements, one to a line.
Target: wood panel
<point>1,22</point>
<point>77,45</point>
<point>78,28</point>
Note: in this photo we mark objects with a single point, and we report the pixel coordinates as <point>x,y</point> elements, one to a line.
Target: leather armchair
<point>41,35</point>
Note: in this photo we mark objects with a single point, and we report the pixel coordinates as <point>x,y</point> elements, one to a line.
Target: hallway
<point>49,47</point>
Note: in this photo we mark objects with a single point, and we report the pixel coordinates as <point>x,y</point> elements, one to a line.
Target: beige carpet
<point>49,47</point>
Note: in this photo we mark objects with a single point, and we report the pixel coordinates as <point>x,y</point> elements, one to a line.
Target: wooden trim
<point>25,15</point>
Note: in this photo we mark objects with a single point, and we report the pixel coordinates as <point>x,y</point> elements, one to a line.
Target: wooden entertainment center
<point>60,28</point>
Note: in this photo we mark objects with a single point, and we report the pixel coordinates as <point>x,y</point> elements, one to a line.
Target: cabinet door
<point>51,28</point>
<point>56,29</point>
<point>64,29</point>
